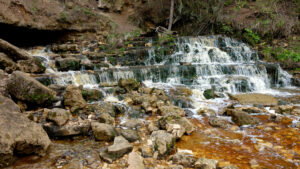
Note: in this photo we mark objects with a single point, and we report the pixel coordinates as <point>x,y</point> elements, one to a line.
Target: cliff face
<point>51,14</point>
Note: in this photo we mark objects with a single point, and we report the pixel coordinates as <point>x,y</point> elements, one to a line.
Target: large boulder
<point>71,128</point>
<point>19,135</point>
<point>31,66</point>
<point>162,142</point>
<point>27,89</point>
<point>103,132</point>
<point>73,99</point>
<point>13,52</point>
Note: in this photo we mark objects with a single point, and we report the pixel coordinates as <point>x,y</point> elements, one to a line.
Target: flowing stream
<point>200,63</point>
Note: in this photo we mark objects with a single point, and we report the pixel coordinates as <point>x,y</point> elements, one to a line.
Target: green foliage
<point>226,29</point>
<point>251,37</point>
<point>287,54</point>
<point>281,54</point>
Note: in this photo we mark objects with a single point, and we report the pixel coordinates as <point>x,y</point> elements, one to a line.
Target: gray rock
<point>71,128</point>
<point>204,163</point>
<point>27,89</point>
<point>133,123</point>
<point>18,134</point>
<point>120,147</point>
<point>163,142</point>
<point>135,161</point>
<point>103,132</point>
<point>73,99</point>
<point>58,116</point>
<point>130,135</point>
<point>187,160</point>
<point>217,122</point>
<point>65,64</point>
<point>243,118</point>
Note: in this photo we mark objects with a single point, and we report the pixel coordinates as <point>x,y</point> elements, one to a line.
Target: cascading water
<point>200,63</point>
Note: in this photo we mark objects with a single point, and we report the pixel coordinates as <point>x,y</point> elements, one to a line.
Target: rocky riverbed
<point>205,102</point>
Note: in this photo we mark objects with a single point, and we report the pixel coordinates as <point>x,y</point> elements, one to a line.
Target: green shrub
<point>251,37</point>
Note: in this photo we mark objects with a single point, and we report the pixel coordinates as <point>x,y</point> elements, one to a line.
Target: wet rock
<point>135,161</point>
<point>13,52</point>
<point>204,163</point>
<point>133,123</point>
<point>206,112</point>
<point>92,95</point>
<point>165,110</point>
<point>27,89</point>
<point>185,159</point>
<point>73,99</point>
<point>71,128</point>
<point>3,83</point>
<point>253,110</point>
<point>243,118</point>
<point>65,64</point>
<point>130,135</point>
<point>163,142</point>
<point>209,93</point>
<point>217,122</point>
<point>19,135</point>
<point>120,147</point>
<point>65,48</point>
<point>31,66</point>
<point>106,118</point>
<point>255,98</point>
<point>58,116</point>
<point>182,91</point>
<point>7,64</point>
<point>168,121</point>
<point>129,84</point>
<point>103,132</point>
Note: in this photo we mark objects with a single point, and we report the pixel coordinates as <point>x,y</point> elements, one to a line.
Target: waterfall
<point>200,63</point>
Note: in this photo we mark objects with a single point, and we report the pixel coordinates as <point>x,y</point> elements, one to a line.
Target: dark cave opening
<point>27,37</point>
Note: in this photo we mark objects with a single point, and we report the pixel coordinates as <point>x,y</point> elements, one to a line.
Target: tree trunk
<point>171,15</point>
